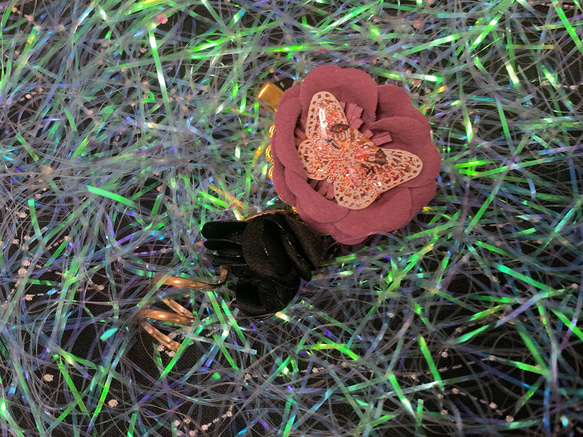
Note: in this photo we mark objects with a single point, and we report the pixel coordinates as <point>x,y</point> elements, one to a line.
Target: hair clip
<point>268,255</point>
<point>350,157</point>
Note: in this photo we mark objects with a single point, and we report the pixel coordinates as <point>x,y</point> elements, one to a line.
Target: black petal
<point>268,254</point>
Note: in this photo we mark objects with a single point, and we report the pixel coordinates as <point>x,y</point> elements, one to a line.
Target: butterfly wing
<point>372,171</point>
<point>326,129</point>
<point>326,118</point>
<point>320,160</point>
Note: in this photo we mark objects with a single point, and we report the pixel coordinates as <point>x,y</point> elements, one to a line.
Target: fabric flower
<point>383,114</point>
<point>268,255</point>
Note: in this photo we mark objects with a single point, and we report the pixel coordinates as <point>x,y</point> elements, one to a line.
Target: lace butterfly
<point>358,170</point>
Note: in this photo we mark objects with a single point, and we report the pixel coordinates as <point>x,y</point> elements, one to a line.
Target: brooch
<point>350,157</point>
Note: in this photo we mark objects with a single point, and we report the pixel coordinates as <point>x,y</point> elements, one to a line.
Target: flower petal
<point>396,102</point>
<point>353,114</point>
<point>280,185</point>
<point>390,211</point>
<point>331,229</point>
<point>291,93</point>
<point>346,239</point>
<point>404,129</point>
<point>421,196</point>
<point>381,138</point>
<point>283,145</point>
<point>312,205</point>
<point>347,84</point>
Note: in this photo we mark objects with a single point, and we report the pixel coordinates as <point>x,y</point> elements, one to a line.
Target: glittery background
<point>125,126</point>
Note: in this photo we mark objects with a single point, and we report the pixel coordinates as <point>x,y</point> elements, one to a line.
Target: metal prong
<point>194,284</point>
<point>181,315</point>
<point>185,283</point>
<point>177,308</point>
<point>165,316</point>
<point>158,336</point>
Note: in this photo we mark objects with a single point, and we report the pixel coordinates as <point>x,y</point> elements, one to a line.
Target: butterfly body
<point>358,169</point>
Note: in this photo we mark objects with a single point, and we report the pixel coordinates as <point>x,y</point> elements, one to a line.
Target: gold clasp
<point>270,94</point>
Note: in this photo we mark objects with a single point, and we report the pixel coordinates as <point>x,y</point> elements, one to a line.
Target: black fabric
<point>268,255</point>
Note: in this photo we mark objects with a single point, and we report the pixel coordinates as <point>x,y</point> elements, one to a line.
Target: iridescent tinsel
<point>125,126</point>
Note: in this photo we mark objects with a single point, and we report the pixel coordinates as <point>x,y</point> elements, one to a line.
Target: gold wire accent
<point>158,336</point>
<point>268,154</point>
<point>270,94</point>
<point>273,211</point>
<point>165,316</point>
<point>181,315</point>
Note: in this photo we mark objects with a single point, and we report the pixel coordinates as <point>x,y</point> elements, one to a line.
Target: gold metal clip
<point>270,94</point>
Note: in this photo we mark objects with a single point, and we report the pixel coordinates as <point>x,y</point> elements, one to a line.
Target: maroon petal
<point>311,204</point>
<point>421,196</point>
<point>325,228</point>
<point>290,93</point>
<point>347,85</point>
<point>347,239</point>
<point>323,188</point>
<point>404,130</point>
<point>353,115</point>
<point>332,230</point>
<point>395,102</point>
<point>329,190</point>
<point>299,136</point>
<point>280,185</point>
<point>283,145</point>
<point>381,138</point>
<point>392,210</point>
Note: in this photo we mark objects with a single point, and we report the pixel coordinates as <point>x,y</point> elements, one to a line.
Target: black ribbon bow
<point>268,254</point>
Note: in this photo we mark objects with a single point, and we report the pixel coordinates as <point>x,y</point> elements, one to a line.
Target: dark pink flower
<point>382,113</point>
